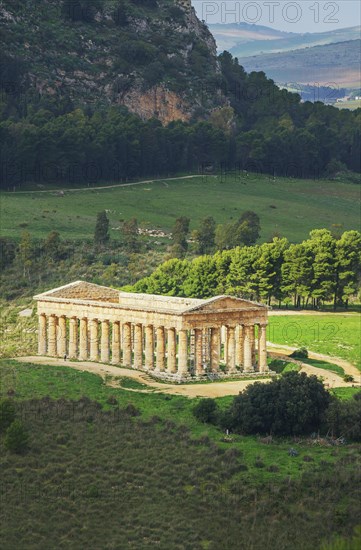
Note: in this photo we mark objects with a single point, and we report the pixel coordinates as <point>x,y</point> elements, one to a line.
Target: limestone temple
<point>172,338</point>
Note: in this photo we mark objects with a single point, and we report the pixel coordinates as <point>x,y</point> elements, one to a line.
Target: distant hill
<point>333,64</point>
<point>244,40</point>
<point>231,35</point>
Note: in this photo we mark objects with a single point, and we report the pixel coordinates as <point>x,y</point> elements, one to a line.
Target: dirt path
<point>275,312</point>
<point>348,367</point>
<point>66,190</point>
<point>215,389</point>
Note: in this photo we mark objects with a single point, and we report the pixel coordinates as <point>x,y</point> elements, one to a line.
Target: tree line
<point>320,269</point>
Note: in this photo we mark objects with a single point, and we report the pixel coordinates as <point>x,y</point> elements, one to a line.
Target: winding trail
<point>114,186</point>
<point>214,389</point>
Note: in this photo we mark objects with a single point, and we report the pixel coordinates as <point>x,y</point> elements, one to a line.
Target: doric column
<point>240,346</point>
<point>61,337</point>
<point>182,352</point>
<point>73,338</point>
<point>138,346</point>
<point>104,343</point>
<point>42,335</point>
<point>247,349</point>
<point>116,343</point>
<point>94,344</point>
<point>127,345</point>
<point>52,335</point>
<point>160,349</point>
<point>83,340</point>
<point>231,349</point>
<point>253,346</point>
<point>149,347</point>
<point>225,342</point>
<point>171,355</point>
<point>262,348</point>
<point>198,341</point>
<point>215,345</point>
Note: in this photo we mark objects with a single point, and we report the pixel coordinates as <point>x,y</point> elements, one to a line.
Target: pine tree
<point>101,234</point>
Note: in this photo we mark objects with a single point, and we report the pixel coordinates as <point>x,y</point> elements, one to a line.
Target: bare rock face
<point>158,102</point>
<point>157,59</point>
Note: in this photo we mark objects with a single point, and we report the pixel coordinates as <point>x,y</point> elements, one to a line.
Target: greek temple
<point>170,337</point>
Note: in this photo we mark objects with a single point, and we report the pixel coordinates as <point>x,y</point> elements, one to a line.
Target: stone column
<point>138,346</point>
<point>116,343</point>
<point>262,348</point>
<point>172,345</point>
<point>240,346</point>
<point>94,344</point>
<point>182,352</point>
<point>225,341</point>
<point>198,341</point>
<point>104,343</point>
<point>52,336</point>
<point>83,340</point>
<point>253,346</point>
<point>215,345</point>
<point>73,338</point>
<point>247,349</point>
<point>231,349</point>
<point>42,335</point>
<point>149,347</point>
<point>61,337</point>
<point>127,345</point>
<point>160,349</point>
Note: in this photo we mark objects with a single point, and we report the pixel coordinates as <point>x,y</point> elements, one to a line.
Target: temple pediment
<point>226,303</point>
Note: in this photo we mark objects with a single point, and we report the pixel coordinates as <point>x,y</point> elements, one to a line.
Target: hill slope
<point>244,40</point>
<point>155,57</point>
<point>330,64</point>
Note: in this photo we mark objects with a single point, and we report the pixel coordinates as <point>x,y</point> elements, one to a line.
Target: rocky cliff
<point>153,56</point>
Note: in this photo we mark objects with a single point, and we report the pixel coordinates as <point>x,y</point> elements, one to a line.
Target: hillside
<point>245,40</point>
<point>155,57</point>
<point>335,65</point>
<point>286,206</point>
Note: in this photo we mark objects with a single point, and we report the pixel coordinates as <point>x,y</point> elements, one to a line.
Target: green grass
<point>286,206</point>
<point>325,365</point>
<point>336,335</point>
<point>345,393</point>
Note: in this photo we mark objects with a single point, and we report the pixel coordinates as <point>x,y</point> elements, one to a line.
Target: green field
<point>336,335</point>
<point>289,207</point>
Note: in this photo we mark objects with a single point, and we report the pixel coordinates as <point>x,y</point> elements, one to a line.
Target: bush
<point>206,411</point>
<point>7,413</point>
<point>343,418</point>
<point>295,404</point>
<point>348,378</point>
<point>16,437</point>
<point>300,353</point>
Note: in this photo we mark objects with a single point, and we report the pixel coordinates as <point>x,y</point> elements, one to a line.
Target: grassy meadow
<point>289,207</point>
<point>337,335</point>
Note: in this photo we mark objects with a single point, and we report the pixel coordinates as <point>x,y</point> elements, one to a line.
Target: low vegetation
<point>164,473</point>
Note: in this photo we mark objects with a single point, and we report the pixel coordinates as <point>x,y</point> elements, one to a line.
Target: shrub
<point>348,378</point>
<point>16,437</point>
<point>292,405</point>
<point>7,413</point>
<point>300,353</point>
<point>206,411</point>
<point>343,418</point>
